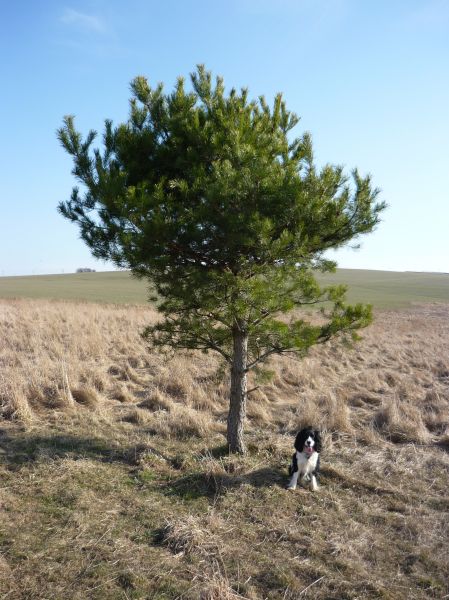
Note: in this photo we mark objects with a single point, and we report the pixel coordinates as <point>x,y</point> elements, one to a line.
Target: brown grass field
<point>116,483</point>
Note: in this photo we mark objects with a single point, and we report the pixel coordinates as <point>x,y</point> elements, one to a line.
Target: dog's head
<point>308,440</point>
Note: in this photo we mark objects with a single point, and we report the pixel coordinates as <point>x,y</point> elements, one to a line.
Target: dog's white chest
<point>306,464</point>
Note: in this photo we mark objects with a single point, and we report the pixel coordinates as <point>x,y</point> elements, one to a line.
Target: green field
<point>384,289</point>
<point>389,289</point>
<point>117,287</point>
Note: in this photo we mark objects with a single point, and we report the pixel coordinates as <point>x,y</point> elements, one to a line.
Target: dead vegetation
<point>116,482</point>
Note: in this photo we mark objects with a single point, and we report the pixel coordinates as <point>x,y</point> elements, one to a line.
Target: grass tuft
<point>87,397</point>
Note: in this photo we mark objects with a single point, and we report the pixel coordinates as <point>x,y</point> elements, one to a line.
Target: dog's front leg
<point>315,476</point>
<point>293,481</point>
<point>294,472</point>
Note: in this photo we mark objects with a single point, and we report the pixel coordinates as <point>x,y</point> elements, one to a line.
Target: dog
<point>306,460</point>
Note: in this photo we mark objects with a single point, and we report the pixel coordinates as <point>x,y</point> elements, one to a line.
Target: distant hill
<point>384,289</point>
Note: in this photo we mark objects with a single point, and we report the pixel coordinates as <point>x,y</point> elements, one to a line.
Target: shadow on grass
<point>213,484</point>
<point>19,448</point>
<point>218,452</point>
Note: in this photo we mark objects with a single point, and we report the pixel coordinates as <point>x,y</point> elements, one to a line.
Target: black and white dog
<point>306,459</point>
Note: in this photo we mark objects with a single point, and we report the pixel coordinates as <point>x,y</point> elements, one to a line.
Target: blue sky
<point>370,80</point>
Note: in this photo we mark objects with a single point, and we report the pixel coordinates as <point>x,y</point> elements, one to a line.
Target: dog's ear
<point>317,436</point>
<point>299,441</point>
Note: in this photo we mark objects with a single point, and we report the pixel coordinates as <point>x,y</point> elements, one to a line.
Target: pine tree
<point>210,198</point>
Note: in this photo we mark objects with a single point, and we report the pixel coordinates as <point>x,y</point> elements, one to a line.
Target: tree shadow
<point>443,443</point>
<point>212,484</point>
<point>219,451</point>
<point>20,448</point>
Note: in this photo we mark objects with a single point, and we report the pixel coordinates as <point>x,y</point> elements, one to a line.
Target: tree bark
<point>237,404</point>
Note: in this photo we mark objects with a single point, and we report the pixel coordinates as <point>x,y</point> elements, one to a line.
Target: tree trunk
<point>237,404</point>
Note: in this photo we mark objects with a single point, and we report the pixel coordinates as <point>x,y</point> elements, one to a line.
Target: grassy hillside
<point>116,483</point>
<point>116,287</point>
<point>387,289</point>
<point>384,289</point>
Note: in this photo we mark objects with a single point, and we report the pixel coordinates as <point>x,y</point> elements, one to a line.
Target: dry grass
<point>116,483</point>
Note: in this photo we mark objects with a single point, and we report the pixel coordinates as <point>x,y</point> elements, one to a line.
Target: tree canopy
<point>210,197</point>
